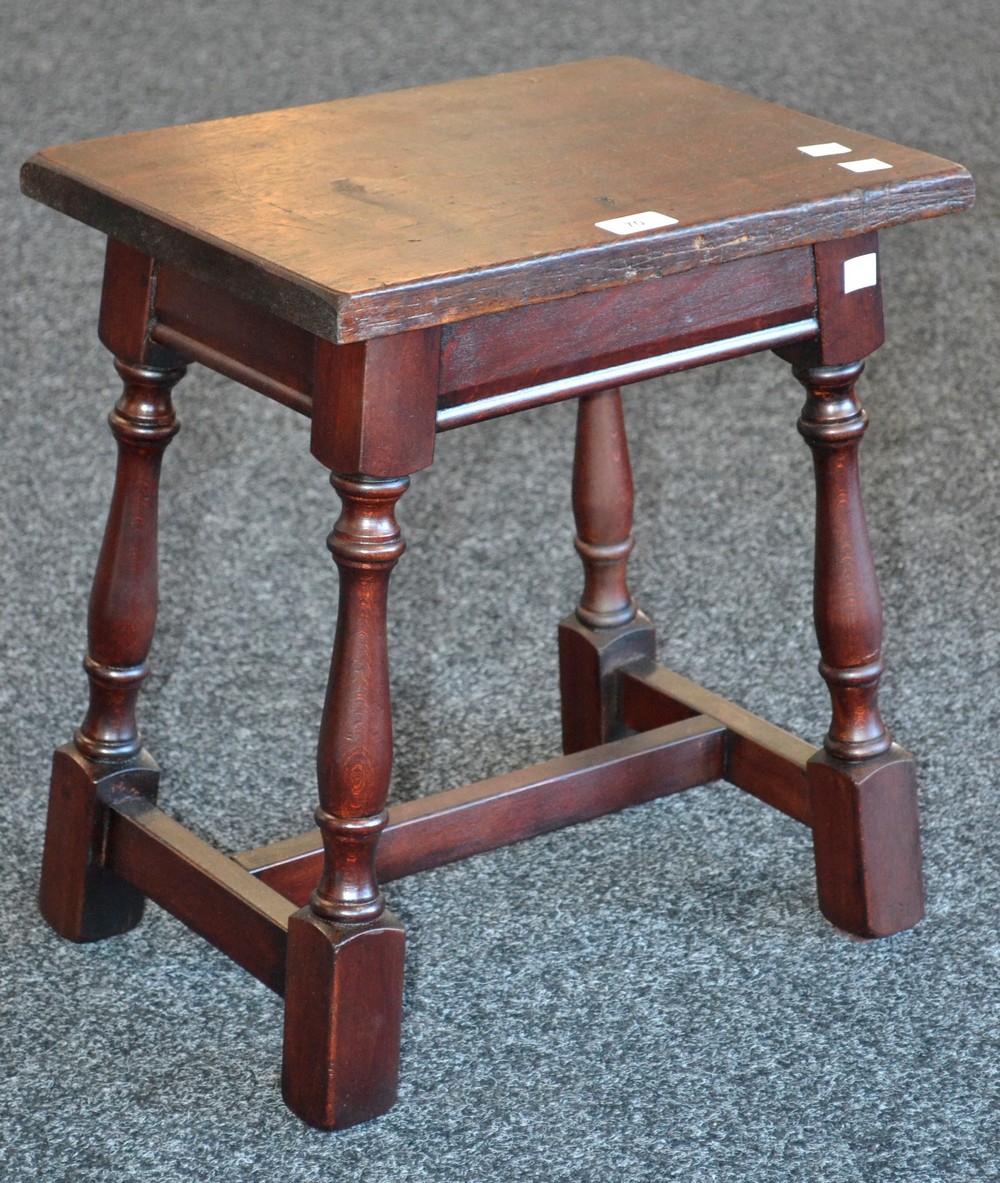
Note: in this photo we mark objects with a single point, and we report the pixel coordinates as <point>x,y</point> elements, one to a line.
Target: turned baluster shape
<point>354,760</point>
<point>606,631</point>
<point>847,605</point>
<point>122,612</point>
<point>603,500</point>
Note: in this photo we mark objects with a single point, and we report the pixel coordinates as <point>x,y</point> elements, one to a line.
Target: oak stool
<point>402,264</point>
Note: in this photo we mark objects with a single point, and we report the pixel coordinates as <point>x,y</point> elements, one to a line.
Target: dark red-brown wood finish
<point>379,214</point>
<point>607,630</point>
<point>399,265</point>
<point>81,897</point>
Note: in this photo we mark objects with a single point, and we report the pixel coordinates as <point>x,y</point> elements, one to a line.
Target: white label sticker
<point>832,149</point>
<point>860,272</point>
<point>864,166</point>
<point>634,223</point>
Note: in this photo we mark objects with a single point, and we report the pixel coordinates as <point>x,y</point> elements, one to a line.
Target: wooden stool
<point>402,264</point>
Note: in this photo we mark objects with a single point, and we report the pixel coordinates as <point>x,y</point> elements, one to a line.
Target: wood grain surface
<point>364,216</point>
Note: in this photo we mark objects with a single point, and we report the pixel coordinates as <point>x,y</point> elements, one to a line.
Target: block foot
<point>866,836</point>
<point>80,897</point>
<point>343,1011</point>
<point>588,659</point>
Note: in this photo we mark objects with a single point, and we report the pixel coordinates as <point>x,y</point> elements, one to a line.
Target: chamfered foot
<point>866,837</point>
<point>343,1014</point>
<point>80,897</point>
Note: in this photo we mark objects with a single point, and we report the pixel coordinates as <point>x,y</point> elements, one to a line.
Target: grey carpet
<point>652,996</point>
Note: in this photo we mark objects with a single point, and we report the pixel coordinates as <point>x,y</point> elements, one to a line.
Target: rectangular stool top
<point>368,216</point>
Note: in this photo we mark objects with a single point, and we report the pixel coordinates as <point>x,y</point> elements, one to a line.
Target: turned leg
<point>862,786</point>
<point>343,1000</point>
<point>606,630</point>
<point>79,897</point>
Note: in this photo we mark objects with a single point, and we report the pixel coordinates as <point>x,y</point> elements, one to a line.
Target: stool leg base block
<point>343,1015</point>
<point>588,687</point>
<point>866,838</point>
<point>80,896</point>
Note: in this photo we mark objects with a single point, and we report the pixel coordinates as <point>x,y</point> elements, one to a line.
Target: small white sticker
<point>864,166</point>
<point>832,149</point>
<point>634,223</point>
<point>860,272</point>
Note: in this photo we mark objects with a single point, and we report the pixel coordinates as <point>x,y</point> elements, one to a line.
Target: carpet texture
<point>652,996</point>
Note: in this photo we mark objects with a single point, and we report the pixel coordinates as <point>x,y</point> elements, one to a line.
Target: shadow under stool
<point>402,264</point>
